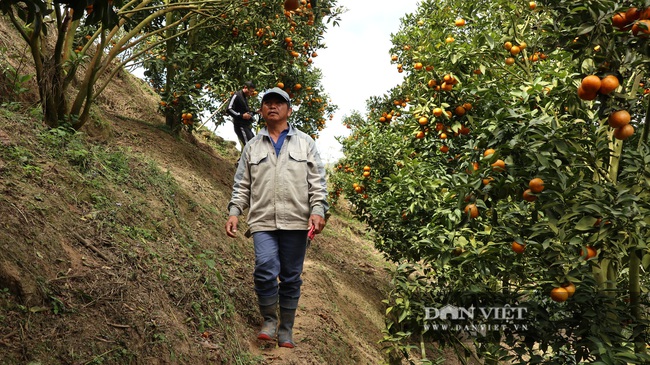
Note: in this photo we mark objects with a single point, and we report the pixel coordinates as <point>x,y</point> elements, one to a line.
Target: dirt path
<point>340,311</point>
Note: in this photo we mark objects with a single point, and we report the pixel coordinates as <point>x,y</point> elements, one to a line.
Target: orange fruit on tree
<point>528,196</point>
<point>632,14</point>
<point>290,5</point>
<point>645,14</point>
<point>536,185</point>
<point>443,135</point>
<point>570,288</point>
<point>487,180</point>
<point>467,106</point>
<point>510,61</point>
<point>472,210</point>
<point>280,84</point>
<point>418,66</point>
<point>515,50</point>
<point>444,148</point>
<point>437,112</point>
<point>586,95</point>
<point>460,111</point>
<point>459,22</point>
<point>590,84</point>
<point>488,152</point>
<point>419,135</point>
<point>608,84</point>
<point>499,165</point>
<point>366,168</point>
<point>449,40</point>
<point>619,21</point>
<point>518,247</point>
<point>532,5</point>
<point>642,26</point>
<point>622,133</point>
<point>507,45</point>
<point>423,121</point>
<point>619,118</point>
<point>591,253</point>
<point>559,294</point>
<point>393,57</point>
<point>366,173</point>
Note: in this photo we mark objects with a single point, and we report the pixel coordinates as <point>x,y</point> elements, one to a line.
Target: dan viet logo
<point>475,319</point>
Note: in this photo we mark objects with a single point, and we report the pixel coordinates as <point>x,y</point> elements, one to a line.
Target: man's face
<point>248,91</point>
<point>274,109</point>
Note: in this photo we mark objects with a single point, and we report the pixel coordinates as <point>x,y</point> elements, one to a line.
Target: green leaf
<point>586,223</point>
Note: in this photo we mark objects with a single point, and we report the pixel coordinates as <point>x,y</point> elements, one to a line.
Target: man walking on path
<point>242,116</point>
<point>281,180</point>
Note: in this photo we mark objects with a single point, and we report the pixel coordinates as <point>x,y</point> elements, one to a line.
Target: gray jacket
<point>281,192</point>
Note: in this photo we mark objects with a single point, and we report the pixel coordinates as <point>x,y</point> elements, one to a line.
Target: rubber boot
<point>269,311</point>
<point>285,331</point>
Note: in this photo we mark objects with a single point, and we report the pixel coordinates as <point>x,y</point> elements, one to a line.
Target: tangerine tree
<point>191,51</point>
<point>500,179</point>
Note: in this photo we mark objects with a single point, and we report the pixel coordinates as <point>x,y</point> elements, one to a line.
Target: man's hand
<point>317,222</point>
<point>231,226</point>
<point>247,116</point>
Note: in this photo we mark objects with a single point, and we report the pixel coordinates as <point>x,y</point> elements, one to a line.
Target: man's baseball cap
<point>279,92</point>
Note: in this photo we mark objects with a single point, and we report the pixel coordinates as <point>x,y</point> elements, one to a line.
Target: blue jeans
<point>279,254</point>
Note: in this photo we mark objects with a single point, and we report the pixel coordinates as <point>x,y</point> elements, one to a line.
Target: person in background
<point>281,181</point>
<point>242,116</point>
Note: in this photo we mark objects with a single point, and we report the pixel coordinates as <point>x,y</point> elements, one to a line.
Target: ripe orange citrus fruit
<point>559,294</point>
<point>624,132</point>
<point>518,247</point>
<point>591,253</point>
<point>510,61</point>
<point>514,50</point>
<point>423,121</point>
<point>570,288</point>
<point>608,84</point>
<point>586,95</point>
<point>528,196</point>
<point>437,112</point>
<point>444,148</point>
<point>499,165</point>
<point>472,210</point>
<point>590,84</point>
<point>488,152</point>
<point>536,185</point>
<point>507,45</point>
<point>290,5</point>
<point>619,21</point>
<point>619,118</point>
<point>632,14</point>
<point>459,22</point>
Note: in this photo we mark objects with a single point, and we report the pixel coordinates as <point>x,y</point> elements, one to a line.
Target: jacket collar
<point>292,130</point>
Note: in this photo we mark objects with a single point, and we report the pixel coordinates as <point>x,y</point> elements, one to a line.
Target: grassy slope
<point>112,248</point>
